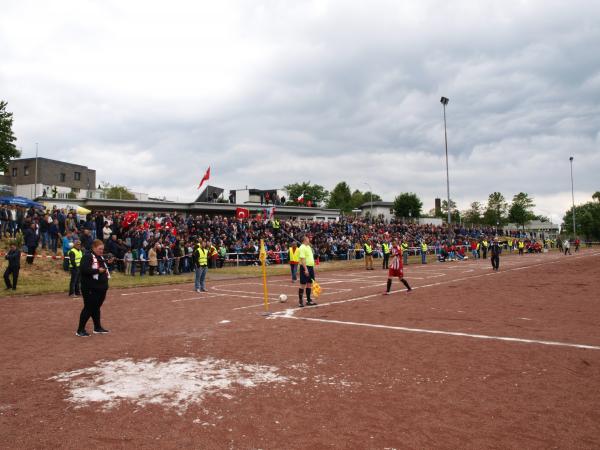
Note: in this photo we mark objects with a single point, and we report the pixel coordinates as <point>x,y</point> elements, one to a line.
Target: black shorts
<point>307,279</point>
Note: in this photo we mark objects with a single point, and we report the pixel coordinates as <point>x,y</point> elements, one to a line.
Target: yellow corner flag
<point>316,288</point>
<point>263,262</point>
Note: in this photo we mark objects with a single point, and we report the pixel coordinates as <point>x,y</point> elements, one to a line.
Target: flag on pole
<point>205,177</point>
<point>242,213</point>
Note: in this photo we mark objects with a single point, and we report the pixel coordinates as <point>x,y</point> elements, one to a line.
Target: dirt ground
<point>470,359</point>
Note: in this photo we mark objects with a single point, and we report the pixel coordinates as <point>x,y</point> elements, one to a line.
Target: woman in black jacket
<point>94,284</point>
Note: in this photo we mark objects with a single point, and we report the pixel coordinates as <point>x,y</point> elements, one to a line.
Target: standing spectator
<point>106,232</point>
<point>31,242</point>
<point>152,260</point>
<point>67,243</point>
<point>54,234</point>
<point>128,261</point>
<point>495,251</point>
<point>567,246</point>
<point>143,258</point>
<point>94,284</point>
<point>86,239</point>
<point>14,264</point>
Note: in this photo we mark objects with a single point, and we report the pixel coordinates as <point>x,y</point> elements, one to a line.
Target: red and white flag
<point>242,213</point>
<point>301,198</point>
<point>205,177</point>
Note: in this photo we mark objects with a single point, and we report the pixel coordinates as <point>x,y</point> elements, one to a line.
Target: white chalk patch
<point>177,383</point>
<point>525,318</point>
<point>225,321</point>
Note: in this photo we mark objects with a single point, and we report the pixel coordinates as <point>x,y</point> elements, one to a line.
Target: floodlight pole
<point>573,197</point>
<point>444,102</point>
<point>371,192</point>
<point>36,172</point>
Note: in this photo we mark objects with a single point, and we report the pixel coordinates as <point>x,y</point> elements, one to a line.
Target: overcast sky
<point>270,92</point>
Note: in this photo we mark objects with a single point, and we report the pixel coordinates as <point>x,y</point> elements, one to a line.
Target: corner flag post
<point>263,261</point>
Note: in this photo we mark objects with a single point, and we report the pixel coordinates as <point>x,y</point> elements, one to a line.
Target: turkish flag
<point>242,213</point>
<point>129,218</point>
<point>205,177</point>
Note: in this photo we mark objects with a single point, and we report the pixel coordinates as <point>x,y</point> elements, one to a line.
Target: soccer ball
<point>282,298</point>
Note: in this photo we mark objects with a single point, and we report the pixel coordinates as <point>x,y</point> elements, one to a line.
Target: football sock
<point>300,294</point>
<point>389,285</point>
<point>405,283</point>
<point>308,295</point>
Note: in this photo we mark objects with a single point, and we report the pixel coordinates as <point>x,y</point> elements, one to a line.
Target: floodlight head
<point>571,158</point>
<point>444,101</point>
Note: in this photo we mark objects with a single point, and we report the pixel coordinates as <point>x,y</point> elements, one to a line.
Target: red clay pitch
<point>472,359</point>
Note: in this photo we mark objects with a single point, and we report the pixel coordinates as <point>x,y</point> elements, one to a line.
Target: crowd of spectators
<point>161,243</point>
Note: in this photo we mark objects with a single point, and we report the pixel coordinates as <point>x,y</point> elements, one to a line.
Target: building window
<point>63,177</point>
<point>15,172</point>
<point>26,170</point>
<point>77,176</point>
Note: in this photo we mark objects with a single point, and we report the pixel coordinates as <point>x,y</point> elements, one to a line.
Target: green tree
<point>360,198</point>
<point>116,192</point>
<point>8,150</point>
<point>495,211</point>
<point>407,204</point>
<point>444,209</point>
<point>340,197</point>
<point>587,218</point>
<point>474,214</point>
<point>521,209</point>
<point>596,196</point>
<point>313,192</point>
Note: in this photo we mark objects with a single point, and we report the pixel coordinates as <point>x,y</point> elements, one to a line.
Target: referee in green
<point>307,272</point>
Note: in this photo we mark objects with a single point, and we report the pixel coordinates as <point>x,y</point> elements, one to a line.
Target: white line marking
<point>449,333</point>
<point>152,292</point>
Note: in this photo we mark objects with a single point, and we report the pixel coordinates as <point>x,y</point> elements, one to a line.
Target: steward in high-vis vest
<point>213,255</point>
<point>200,259</point>
<point>368,256</point>
<point>424,252</point>
<point>276,226</point>
<point>484,247</point>
<point>404,247</point>
<point>510,245</point>
<point>521,246</point>
<point>294,259</point>
<point>75,255</point>
<point>386,254</point>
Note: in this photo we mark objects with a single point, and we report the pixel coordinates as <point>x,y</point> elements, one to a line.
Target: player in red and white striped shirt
<point>396,268</point>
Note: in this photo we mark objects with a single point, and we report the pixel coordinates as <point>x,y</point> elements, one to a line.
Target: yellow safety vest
<point>386,248</point>
<point>404,246</point>
<point>276,224</point>
<point>78,255</point>
<point>294,255</point>
<point>485,243</point>
<point>424,246</point>
<point>510,242</point>
<point>202,256</point>
<point>521,244</point>
<point>368,248</point>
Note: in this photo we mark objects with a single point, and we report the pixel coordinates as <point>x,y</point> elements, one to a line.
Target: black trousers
<point>495,262</point>
<point>74,285</point>
<point>92,302</point>
<point>15,277</point>
<point>30,251</point>
<point>386,260</point>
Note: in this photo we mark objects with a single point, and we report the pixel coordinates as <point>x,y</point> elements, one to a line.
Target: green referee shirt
<point>307,253</point>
